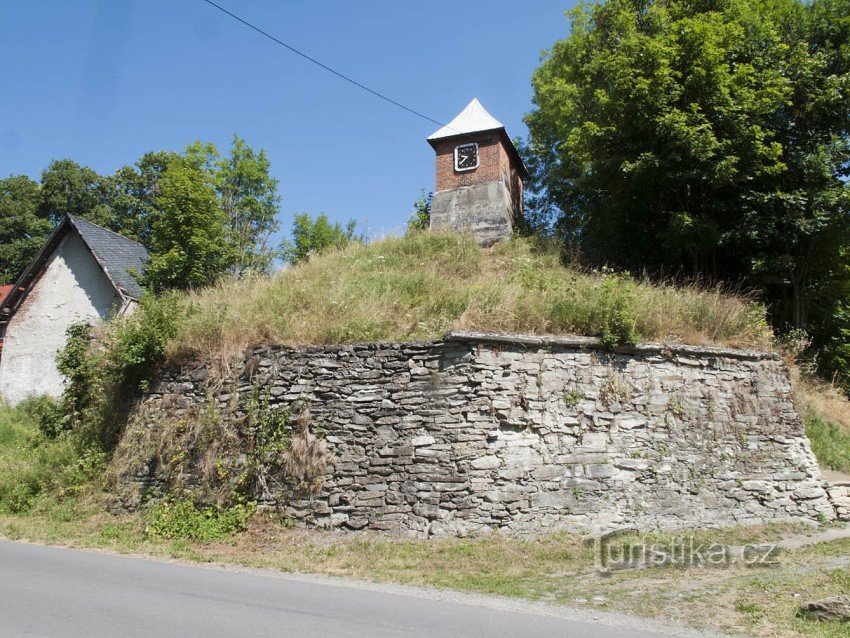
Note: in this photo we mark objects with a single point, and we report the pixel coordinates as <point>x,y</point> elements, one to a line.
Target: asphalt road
<point>48,591</point>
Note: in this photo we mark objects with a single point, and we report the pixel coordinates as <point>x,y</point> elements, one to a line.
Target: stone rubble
<point>836,608</point>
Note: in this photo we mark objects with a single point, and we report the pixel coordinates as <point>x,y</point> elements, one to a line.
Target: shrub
<point>615,314</point>
<point>183,520</point>
<point>81,371</point>
<point>104,376</point>
<point>47,412</point>
<point>135,344</point>
<point>316,236</point>
<point>420,218</point>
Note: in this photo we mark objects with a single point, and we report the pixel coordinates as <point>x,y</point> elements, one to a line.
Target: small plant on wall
<point>307,457</point>
<point>282,449</point>
<point>572,398</point>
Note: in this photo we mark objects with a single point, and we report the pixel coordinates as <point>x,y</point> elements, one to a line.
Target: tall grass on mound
<point>411,288</point>
<point>421,285</point>
<point>37,471</point>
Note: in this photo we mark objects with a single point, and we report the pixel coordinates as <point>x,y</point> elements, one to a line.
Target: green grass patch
<point>40,472</point>
<point>182,520</point>
<point>830,442</point>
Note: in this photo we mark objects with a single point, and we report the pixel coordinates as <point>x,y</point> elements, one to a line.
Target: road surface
<point>57,592</point>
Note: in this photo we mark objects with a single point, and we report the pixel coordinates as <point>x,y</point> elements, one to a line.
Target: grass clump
<point>38,471</point>
<point>830,442</point>
<point>183,520</point>
<point>424,284</point>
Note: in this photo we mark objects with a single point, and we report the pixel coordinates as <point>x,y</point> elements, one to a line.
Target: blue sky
<point>103,81</point>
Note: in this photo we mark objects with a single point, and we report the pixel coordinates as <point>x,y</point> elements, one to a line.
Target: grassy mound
<point>419,286</point>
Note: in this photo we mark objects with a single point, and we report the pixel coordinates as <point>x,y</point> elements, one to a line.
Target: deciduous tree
<point>23,226</point>
<point>315,236</point>
<point>248,197</point>
<point>67,188</point>
<point>188,238</point>
<point>705,138</point>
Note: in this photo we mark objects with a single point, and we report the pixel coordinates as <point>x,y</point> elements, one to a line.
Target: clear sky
<point>103,81</point>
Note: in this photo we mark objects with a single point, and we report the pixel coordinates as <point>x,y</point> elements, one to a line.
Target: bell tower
<point>478,188</point>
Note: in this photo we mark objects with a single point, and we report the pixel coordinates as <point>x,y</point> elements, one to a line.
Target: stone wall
<point>527,434</point>
<point>484,211</point>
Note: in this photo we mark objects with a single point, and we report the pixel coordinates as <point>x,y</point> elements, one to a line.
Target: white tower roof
<point>472,119</point>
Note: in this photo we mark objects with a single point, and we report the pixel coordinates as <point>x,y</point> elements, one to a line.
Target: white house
<point>84,273</point>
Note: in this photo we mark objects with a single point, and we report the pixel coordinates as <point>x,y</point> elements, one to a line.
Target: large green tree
<point>68,188</point>
<point>248,197</point>
<point>250,201</point>
<point>188,238</point>
<point>23,226</point>
<point>708,138</point>
<point>133,193</point>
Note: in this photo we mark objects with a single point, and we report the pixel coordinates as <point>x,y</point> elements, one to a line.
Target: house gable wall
<point>72,289</point>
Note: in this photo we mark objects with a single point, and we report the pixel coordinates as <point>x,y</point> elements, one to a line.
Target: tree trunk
<point>799,280</point>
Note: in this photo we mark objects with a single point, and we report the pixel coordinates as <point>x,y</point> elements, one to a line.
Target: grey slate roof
<point>118,256</point>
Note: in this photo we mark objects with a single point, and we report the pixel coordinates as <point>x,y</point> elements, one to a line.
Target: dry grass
<point>826,400</point>
<point>420,286</point>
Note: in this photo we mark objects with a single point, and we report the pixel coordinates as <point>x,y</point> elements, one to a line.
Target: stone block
<point>488,462</point>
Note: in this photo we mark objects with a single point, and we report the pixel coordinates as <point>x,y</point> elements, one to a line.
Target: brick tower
<point>479,177</point>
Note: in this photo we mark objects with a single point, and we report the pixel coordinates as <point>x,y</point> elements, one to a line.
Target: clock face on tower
<point>466,157</point>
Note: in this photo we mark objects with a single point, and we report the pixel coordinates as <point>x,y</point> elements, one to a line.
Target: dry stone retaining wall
<point>479,432</point>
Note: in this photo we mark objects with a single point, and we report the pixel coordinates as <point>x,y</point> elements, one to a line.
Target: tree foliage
<point>188,237</point>
<point>134,192</point>
<point>23,226</point>
<point>67,188</point>
<point>248,197</point>
<point>131,202</point>
<point>315,236</point>
<point>103,380</point>
<point>705,138</point>
<point>251,203</point>
<point>420,218</point>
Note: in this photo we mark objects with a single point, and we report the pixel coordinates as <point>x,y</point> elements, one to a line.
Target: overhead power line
<point>321,65</point>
